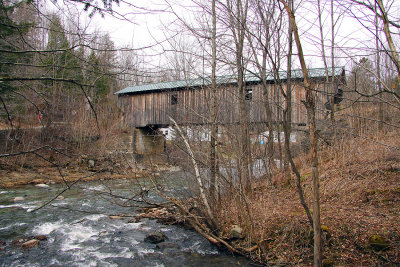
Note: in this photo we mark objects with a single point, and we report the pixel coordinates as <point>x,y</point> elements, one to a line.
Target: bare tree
<point>266,14</point>
<point>310,105</point>
<point>237,12</point>
<point>213,114</point>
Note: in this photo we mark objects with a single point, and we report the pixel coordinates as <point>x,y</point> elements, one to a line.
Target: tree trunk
<point>287,116</point>
<point>213,115</point>
<point>197,174</point>
<point>310,105</point>
<point>333,90</point>
<point>237,25</point>
<point>393,51</point>
<point>378,70</point>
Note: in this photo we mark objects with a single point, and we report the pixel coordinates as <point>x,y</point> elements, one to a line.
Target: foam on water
<point>144,251</point>
<point>80,239</point>
<point>58,203</point>
<point>133,226</point>
<point>77,234</point>
<point>11,226</point>
<point>199,248</point>
<point>26,206</point>
<point>125,253</point>
<point>94,188</point>
<point>48,227</point>
<point>95,217</point>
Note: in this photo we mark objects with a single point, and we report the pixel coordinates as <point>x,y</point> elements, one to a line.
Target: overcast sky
<point>139,26</point>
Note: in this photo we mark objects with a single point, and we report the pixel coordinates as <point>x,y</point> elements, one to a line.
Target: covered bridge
<point>188,101</point>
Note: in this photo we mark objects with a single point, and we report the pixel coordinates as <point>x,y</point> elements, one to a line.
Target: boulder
<point>30,244</point>
<point>42,185</point>
<point>377,242</point>
<point>19,241</point>
<point>235,232</point>
<point>91,163</point>
<point>328,262</point>
<point>19,199</point>
<point>155,237</point>
<point>60,198</point>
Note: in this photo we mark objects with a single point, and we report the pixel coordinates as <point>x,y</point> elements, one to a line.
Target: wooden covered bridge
<point>149,106</point>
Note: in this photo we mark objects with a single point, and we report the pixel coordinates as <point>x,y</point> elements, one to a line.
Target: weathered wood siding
<point>193,105</point>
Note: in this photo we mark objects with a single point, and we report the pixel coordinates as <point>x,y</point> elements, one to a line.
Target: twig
<point>65,189</point>
<point>32,151</point>
<point>8,114</point>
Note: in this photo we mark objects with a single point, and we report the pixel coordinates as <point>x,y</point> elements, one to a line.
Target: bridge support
<point>146,142</point>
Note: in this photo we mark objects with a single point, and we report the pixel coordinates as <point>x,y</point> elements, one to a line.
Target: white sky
<point>146,28</point>
<point>127,26</point>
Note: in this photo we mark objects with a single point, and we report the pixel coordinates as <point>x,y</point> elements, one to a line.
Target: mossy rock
<point>324,228</point>
<point>377,242</point>
<point>370,192</point>
<point>328,262</point>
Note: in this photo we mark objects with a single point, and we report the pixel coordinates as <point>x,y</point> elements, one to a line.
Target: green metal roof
<point>228,79</point>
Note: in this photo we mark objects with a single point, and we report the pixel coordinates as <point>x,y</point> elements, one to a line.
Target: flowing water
<point>81,233</point>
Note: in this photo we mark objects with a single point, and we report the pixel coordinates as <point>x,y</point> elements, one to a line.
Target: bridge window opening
<point>174,99</point>
<point>249,94</point>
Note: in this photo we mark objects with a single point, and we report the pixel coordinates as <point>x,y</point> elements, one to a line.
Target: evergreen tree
<point>62,61</point>
<point>10,33</point>
<point>11,41</point>
<point>100,69</point>
<point>97,78</point>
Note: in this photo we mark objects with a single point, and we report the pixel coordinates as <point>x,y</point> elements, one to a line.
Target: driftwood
<point>201,228</point>
<point>207,233</point>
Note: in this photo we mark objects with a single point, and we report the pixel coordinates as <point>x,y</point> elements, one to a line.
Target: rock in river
<point>155,237</point>
<point>30,244</point>
<point>19,199</point>
<point>42,185</point>
<point>116,217</point>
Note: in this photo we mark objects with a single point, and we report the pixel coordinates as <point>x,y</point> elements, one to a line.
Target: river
<point>81,233</point>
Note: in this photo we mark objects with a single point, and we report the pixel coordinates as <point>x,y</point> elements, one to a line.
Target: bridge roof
<point>227,79</point>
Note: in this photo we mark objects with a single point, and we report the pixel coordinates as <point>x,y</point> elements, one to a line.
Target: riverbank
<point>16,177</point>
<point>360,200</point>
<point>45,175</point>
